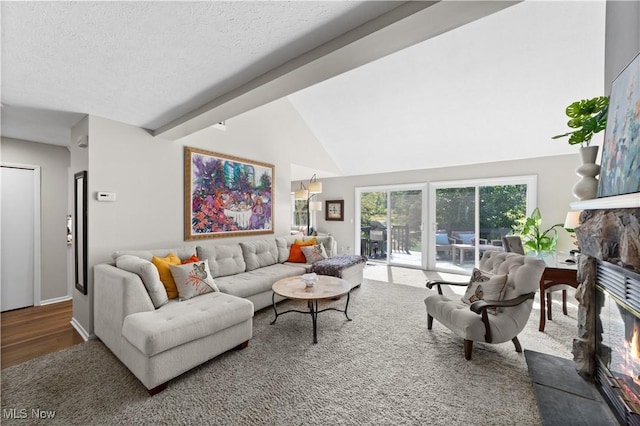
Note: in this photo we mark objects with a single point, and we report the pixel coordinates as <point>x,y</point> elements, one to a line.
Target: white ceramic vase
<point>587,187</point>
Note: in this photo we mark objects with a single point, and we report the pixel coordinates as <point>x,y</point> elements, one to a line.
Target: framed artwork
<point>226,196</point>
<point>334,210</point>
<point>620,170</point>
<point>80,230</point>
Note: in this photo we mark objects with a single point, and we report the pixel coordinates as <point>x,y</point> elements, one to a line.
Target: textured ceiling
<point>147,63</point>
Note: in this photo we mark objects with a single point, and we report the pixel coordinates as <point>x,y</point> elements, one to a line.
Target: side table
<point>557,276</point>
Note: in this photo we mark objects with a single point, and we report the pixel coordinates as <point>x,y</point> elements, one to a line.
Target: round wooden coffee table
<point>326,288</point>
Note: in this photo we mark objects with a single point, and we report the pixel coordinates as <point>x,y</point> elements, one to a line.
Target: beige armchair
<point>489,321</point>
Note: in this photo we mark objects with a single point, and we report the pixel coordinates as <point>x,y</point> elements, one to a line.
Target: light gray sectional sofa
<point>158,339</point>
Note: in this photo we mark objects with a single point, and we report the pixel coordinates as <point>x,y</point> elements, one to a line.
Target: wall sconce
<point>307,193</point>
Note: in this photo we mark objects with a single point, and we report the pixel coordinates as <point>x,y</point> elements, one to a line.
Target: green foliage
<point>534,239</point>
<point>500,207</point>
<point>588,116</point>
<point>373,206</point>
<point>406,210</point>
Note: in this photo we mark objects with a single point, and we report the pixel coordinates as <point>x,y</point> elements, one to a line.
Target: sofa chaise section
<point>157,345</point>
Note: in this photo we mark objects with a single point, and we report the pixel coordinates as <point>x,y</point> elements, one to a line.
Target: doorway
<point>20,245</point>
<point>390,224</point>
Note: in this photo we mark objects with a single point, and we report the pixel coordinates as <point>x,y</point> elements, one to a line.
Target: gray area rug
<point>384,367</point>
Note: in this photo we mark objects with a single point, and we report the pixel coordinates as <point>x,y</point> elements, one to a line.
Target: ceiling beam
<point>404,26</point>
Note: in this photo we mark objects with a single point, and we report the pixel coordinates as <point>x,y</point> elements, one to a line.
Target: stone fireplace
<point>607,350</point>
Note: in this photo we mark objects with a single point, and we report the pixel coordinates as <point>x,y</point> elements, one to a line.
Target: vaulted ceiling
<point>383,86</point>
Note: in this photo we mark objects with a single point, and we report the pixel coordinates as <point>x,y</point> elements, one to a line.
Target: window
<point>470,217</point>
<point>390,222</point>
<point>299,212</point>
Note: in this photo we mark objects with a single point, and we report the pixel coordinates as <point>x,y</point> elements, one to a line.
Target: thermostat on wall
<point>106,196</point>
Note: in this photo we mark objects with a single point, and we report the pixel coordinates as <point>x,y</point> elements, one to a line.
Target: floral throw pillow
<point>485,286</point>
<point>314,253</point>
<point>193,279</point>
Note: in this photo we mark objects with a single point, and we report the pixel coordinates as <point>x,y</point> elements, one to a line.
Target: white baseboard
<point>80,329</point>
<point>55,300</point>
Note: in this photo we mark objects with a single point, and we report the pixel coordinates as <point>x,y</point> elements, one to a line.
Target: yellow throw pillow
<point>310,242</point>
<point>162,263</point>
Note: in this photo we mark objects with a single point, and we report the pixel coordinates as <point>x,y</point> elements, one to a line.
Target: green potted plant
<point>533,237</point>
<point>587,117</point>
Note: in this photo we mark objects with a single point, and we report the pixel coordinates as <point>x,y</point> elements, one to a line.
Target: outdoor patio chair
<point>497,304</point>
<point>443,242</point>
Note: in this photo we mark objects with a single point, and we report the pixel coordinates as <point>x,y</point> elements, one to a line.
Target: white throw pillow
<point>149,275</point>
<point>193,279</point>
<point>314,253</point>
<point>485,286</point>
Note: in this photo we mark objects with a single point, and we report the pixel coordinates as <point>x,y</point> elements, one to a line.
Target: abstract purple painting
<point>226,196</point>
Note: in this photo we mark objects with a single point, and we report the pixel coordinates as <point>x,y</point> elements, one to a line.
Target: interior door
<point>18,203</point>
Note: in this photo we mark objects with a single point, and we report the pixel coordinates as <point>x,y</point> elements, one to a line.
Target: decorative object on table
<point>226,196</point>
<point>587,187</point>
<point>335,210</point>
<point>621,149</point>
<point>534,239</point>
<point>310,279</point>
<point>588,117</point>
<point>307,193</point>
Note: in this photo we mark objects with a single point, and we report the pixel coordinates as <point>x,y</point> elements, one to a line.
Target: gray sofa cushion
<point>223,259</point>
<point>181,322</point>
<point>148,274</point>
<point>283,244</point>
<point>257,281</point>
<point>259,253</point>
<point>183,253</point>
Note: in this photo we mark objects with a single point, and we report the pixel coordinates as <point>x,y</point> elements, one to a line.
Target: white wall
<point>82,303</point>
<point>555,174</point>
<point>54,168</point>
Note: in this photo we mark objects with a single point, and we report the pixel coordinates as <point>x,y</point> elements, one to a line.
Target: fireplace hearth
<point>607,350</point>
<point>618,349</point>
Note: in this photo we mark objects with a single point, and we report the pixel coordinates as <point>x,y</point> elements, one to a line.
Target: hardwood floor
<point>35,331</point>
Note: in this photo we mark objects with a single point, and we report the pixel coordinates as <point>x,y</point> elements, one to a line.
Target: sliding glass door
<point>390,224</point>
<point>471,217</point>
